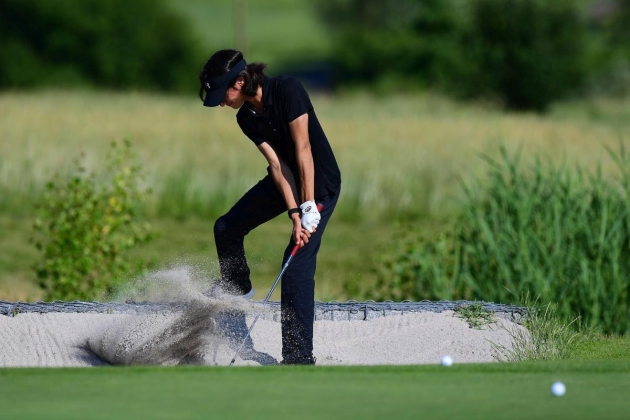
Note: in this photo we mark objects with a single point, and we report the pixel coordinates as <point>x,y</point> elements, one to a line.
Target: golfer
<point>276,114</point>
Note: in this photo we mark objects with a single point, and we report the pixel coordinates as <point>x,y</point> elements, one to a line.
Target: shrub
<point>561,235</point>
<point>610,49</point>
<point>398,44</point>
<point>112,43</point>
<point>86,225</point>
<point>527,53</point>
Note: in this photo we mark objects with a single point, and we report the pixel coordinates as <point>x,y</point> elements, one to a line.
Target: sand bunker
<point>61,339</point>
<point>209,331</point>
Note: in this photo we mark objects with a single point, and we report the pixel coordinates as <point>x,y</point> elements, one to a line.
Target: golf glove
<point>310,215</point>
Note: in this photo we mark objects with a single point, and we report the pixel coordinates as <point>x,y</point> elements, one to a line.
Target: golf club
<point>286,264</point>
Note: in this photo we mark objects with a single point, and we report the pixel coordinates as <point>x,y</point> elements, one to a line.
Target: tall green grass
<point>546,335</point>
<point>546,230</point>
<point>400,156</point>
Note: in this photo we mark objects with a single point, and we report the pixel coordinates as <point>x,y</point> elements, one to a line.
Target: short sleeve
<point>293,99</point>
<point>249,129</point>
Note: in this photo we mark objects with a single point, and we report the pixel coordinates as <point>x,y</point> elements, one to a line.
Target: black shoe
<point>218,290</point>
<point>308,360</point>
<point>233,329</point>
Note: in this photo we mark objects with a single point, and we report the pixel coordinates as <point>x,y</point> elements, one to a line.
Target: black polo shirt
<point>285,99</point>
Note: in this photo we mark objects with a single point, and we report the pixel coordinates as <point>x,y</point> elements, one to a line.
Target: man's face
<point>234,96</point>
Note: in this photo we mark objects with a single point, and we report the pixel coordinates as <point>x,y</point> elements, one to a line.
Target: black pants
<point>260,204</point>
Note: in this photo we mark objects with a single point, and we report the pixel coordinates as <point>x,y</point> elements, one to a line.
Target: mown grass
<point>597,346</point>
<point>348,252</point>
<point>17,279</point>
<point>518,391</point>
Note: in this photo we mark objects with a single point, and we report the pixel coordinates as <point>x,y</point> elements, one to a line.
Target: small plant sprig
<point>475,315</point>
<point>85,225</point>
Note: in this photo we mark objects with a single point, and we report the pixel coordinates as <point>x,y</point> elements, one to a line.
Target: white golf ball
<point>447,360</point>
<point>558,389</point>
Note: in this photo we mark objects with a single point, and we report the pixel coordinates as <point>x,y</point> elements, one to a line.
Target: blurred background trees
<point>610,35</point>
<point>527,53</point>
<point>113,44</point>
<point>397,45</point>
<point>522,54</point>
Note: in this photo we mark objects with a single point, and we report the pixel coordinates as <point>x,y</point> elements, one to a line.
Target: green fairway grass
<point>602,347</point>
<point>491,391</point>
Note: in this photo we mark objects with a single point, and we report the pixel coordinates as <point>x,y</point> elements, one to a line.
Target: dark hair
<point>222,62</point>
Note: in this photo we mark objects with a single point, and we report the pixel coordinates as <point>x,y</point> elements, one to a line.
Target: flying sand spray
<point>171,339</point>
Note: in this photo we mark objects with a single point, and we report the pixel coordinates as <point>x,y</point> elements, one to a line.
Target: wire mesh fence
<point>331,311</point>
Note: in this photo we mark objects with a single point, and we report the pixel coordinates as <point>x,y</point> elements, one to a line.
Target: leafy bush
<point>527,53</point>
<point>610,49</point>
<point>398,44</point>
<point>112,43</point>
<point>523,53</point>
<point>560,235</point>
<point>85,226</point>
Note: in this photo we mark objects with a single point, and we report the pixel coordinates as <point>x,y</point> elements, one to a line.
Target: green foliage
<point>85,226</point>
<point>475,315</point>
<point>524,54</point>
<point>610,49</point>
<point>398,44</point>
<point>527,53</point>
<point>547,336</point>
<point>561,235</point>
<point>113,43</point>
<point>619,25</point>
<point>597,346</point>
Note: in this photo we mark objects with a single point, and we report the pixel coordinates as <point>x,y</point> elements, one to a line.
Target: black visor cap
<point>216,88</point>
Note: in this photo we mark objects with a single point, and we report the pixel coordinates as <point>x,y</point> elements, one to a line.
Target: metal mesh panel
<point>331,311</point>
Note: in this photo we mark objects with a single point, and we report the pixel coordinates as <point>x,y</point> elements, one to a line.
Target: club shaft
<point>294,251</point>
<point>286,264</point>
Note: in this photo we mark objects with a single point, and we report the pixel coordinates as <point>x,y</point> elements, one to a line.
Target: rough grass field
<point>400,156</point>
<point>515,391</point>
